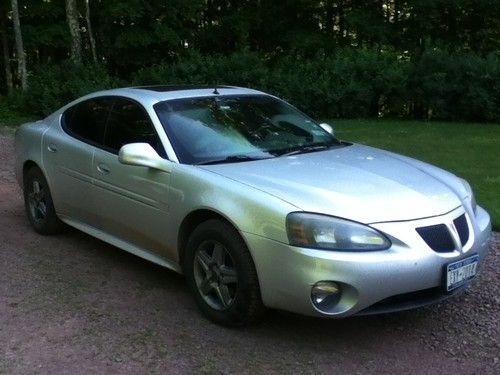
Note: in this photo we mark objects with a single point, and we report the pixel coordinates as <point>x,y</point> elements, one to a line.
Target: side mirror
<point>327,127</point>
<point>143,155</point>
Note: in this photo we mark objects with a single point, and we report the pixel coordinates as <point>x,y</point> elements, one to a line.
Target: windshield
<point>238,128</point>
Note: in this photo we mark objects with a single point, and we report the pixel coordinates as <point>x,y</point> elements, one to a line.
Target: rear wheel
<point>38,203</point>
<point>221,275</point>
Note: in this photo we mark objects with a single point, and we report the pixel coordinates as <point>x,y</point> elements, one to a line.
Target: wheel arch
<point>29,164</point>
<point>191,221</point>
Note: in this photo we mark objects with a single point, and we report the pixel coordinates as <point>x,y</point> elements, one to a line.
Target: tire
<point>225,287</point>
<point>39,205</point>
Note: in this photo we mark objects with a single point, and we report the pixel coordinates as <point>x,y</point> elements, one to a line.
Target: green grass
<point>471,151</point>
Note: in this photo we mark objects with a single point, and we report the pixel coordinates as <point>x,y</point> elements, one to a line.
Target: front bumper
<point>368,279</point>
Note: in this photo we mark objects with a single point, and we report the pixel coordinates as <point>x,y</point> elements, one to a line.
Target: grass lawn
<point>471,151</point>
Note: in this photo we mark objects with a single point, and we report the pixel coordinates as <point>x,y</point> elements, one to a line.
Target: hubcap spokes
<point>36,199</point>
<point>215,275</point>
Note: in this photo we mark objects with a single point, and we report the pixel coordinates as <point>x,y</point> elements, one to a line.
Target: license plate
<point>458,273</point>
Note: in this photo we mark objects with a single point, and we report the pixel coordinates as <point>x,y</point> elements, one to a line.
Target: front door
<point>132,201</point>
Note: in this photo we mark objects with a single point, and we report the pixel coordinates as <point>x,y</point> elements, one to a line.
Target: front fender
<point>250,210</point>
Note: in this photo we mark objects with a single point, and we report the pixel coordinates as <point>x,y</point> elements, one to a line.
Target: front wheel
<point>38,203</point>
<point>221,274</point>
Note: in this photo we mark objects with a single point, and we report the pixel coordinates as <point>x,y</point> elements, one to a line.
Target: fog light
<point>325,295</point>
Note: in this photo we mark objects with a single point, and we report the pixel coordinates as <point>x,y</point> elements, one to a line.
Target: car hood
<point>356,182</point>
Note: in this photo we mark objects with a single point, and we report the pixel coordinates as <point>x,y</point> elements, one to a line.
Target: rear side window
<point>128,122</point>
<point>86,120</point>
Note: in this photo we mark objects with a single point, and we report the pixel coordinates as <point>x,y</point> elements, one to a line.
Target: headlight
<point>332,233</point>
<point>470,193</point>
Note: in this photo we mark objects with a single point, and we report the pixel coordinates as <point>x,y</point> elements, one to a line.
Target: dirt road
<point>71,304</point>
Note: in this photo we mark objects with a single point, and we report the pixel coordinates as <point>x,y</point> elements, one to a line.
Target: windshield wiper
<point>309,148</point>
<point>231,159</point>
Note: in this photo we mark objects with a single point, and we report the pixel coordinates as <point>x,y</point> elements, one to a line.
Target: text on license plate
<point>458,273</point>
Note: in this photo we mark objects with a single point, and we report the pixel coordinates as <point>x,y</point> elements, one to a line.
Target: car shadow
<point>171,284</point>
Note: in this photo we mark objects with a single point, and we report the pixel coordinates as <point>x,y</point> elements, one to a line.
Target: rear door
<point>68,149</point>
<point>132,200</point>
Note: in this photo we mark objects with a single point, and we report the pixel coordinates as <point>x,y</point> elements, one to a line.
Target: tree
<point>6,51</point>
<point>89,31</point>
<point>134,33</point>
<point>20,54</point>
<point>74,30</point>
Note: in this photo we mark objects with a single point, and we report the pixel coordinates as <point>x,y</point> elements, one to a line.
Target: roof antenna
<point>215,91</point>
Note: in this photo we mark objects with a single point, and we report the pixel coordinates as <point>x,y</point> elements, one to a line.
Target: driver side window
<point>128,122</point>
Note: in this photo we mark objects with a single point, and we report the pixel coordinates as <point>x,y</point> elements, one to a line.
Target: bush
<point>239,69</point>
<point>350,83</point>
<point>53,85</point>
<point>456,86</point>
<point>11,113</point>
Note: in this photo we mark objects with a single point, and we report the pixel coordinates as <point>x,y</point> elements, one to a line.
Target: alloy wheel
<point>37,201</point>
<point>215,275</point>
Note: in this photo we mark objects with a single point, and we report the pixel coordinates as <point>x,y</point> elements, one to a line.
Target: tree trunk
<point>89,29</point>
<point>6,55</point>
<point>74,30</point>
<point>21,56</point>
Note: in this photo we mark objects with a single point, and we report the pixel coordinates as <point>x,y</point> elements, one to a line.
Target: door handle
<point>103,168</point>
<point>52,147</point>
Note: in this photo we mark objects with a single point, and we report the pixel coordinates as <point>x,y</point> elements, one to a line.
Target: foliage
<point>240,68</point>
<point>134,33</point>
<point>10,112</point>
<point>456,86</point>
<point>425,59</point>
<point>52,85</point>
<point>352,83</point>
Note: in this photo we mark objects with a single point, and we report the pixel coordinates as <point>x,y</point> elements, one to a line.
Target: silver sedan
<point>255,202</point>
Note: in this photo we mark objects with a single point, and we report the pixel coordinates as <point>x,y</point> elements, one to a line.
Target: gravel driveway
<point>72,304</point>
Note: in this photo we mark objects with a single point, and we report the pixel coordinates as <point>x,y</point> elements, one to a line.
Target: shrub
<point>240,69</point>
<point>53,85</point>
<point>456,86</point>
<point>349,83</point>
<point>11,113</point>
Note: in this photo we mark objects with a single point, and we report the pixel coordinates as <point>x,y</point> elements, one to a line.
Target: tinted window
<point>128,122</point>
<point>86,120</point>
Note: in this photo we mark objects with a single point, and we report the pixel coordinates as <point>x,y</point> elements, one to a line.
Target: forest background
<point>412,59</point>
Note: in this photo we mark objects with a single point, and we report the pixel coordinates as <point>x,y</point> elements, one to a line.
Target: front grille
<point>437,237</point>
<point>462,229</point>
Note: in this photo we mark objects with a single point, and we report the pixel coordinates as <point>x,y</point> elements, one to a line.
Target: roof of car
<point>154,94</point>
<point>165,88</point>
<point>150,95</point>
